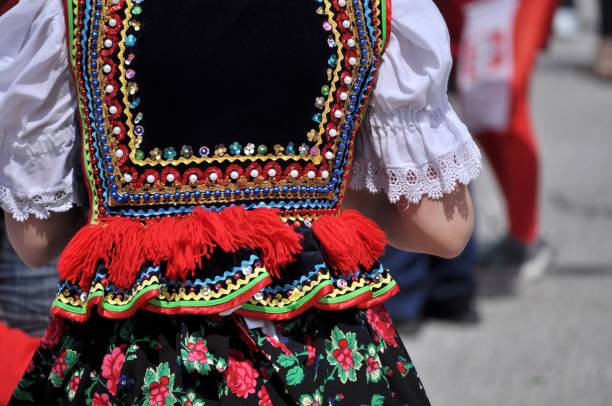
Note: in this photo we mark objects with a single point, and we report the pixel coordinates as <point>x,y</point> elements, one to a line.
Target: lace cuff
<point>411,153</point>
<point>40,205</point>
<point>433,179</point>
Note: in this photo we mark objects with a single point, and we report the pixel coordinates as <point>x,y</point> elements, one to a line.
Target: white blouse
<point>412,144</point>
<point>37,106</point>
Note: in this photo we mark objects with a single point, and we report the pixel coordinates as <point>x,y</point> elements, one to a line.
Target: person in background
<point>511,146</point>
<point>434,287</point>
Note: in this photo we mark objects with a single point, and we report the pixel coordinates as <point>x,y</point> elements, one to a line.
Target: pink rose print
<point>111,369</point>
<point>74,383</point>
<point>380,320</point>
<point>101,400</point>
<point>241,376</point>
<point>53,334</point>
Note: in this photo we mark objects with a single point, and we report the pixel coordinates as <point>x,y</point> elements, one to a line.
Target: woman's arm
<point>37,131</point>
<point>39,241</point>
<point>438,227</point>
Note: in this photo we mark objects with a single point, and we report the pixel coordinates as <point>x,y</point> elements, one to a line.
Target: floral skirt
<point>349,357</point>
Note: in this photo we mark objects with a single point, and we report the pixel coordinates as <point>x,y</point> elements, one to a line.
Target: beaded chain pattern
<point>303,179</point>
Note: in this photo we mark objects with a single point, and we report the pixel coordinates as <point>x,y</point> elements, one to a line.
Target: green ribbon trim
<point>207,303</point>
<point>158,302</point>
<point>345,297</point>
<point>383,24</point>
<point>382,291</point>
<point>289,307</point>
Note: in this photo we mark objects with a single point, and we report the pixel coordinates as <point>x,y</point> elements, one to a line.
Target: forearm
<point>438,227</point>
<point>39,241</point>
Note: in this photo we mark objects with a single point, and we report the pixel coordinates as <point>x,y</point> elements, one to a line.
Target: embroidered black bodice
<point>199,103</point>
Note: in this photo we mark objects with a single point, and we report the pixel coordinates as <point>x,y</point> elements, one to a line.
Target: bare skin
<point>37,242</point>
<point>438,227</point>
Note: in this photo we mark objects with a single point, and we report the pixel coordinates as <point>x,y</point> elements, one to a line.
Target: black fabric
<point>203,81</point>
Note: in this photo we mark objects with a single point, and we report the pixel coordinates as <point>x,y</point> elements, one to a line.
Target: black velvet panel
<point>231,70</point>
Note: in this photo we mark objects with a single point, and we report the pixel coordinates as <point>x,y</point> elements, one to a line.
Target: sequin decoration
<point>304,176</point>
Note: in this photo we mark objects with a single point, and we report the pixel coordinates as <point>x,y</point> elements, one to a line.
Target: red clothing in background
<point>513,153</point>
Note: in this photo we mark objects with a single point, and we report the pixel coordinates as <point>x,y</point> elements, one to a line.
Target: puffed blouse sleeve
<point>37,106</point>
<point>412,144</point>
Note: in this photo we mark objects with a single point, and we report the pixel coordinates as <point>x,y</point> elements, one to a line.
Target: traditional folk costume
<point>216,142</point>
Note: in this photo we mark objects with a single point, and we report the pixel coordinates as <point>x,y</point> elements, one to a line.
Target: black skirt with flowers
<point>350,357</point>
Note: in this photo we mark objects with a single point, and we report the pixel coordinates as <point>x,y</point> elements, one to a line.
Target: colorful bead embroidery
<point>310,176</point>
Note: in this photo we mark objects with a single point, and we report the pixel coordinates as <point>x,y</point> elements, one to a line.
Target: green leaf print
<point>377,400</point>
<point>295,376</point>
<point>62,366</point>
<point>170,400</point>
<point>286,361</point>
<point>150,376</point>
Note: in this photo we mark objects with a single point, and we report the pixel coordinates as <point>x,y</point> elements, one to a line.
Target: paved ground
<point>548,342</point>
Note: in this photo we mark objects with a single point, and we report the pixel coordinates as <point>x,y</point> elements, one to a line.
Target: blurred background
<point>541,335</point>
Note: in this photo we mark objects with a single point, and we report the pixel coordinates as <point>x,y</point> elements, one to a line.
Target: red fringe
<point>126,245</point>
<point>261,229</point>
<point>349,240</point>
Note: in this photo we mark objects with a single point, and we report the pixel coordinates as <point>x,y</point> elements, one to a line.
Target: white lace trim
<point>433,179</point>
<point>40,205</point>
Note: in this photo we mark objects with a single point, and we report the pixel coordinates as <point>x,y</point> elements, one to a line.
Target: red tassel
<point>80,258</point>
<point>128,253</point>
<point>349,240</point>
<point>372,237</point>
<point>125,245</point>
<point>263,230</point>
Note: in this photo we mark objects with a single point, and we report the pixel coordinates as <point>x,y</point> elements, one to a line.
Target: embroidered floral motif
<point>316,399</point>
<point>403,366</point>
<point>374,366</point>
<point>195,355</point>
<point>101,399</point>
<point>53,333</point>
<point>380,320</point>
<point>63,363</point>
<point>241,376</point>
<point>111,369</point>
<point>342,352</point>
<point>74,383</point>
<point>158,386</point>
